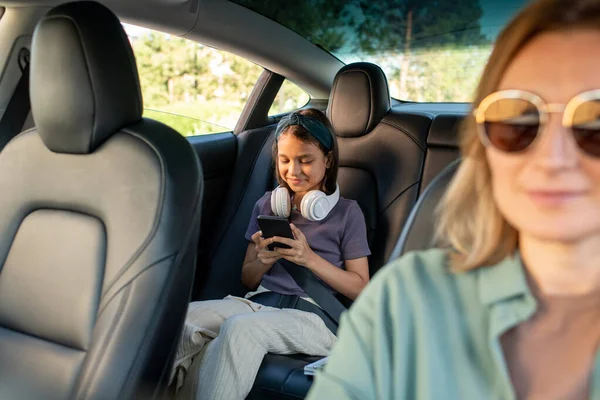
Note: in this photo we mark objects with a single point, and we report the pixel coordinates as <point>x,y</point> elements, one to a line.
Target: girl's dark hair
<point>330,180</point>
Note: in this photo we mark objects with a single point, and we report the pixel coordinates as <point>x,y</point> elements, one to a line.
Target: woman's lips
<point>553,198</point>
<point>295,181</point>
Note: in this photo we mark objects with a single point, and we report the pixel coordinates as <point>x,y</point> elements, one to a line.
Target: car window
<point>290,97</point>
<point>429,50</point>
<point>193,88</point>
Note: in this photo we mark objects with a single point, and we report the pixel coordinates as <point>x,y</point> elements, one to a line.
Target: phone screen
<point>275,226</point>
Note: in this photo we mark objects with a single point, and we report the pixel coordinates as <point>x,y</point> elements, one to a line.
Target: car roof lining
<point>230,27</point>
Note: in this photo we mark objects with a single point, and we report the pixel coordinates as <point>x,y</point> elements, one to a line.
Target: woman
<point>224,341</point>
<point>511,308</point>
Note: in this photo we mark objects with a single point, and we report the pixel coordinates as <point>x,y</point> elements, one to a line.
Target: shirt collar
<point>503,281</point>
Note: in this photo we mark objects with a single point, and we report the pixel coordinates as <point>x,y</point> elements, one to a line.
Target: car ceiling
<point>227,26</point>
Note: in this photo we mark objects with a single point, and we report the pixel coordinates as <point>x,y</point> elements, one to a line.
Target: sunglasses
<point>511,120</point>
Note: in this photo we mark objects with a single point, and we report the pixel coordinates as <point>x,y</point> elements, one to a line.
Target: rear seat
<point>381,153</point>
<point>442,146</point>
<point>219,267</point>
<point>385,156</point>
<point>418,233</point>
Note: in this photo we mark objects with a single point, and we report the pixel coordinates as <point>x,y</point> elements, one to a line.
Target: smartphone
<point>275,226</point>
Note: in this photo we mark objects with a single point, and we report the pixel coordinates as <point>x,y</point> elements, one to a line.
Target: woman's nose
<point>556,149</point>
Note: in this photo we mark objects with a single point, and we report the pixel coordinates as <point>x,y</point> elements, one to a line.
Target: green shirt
<point>419,331</point>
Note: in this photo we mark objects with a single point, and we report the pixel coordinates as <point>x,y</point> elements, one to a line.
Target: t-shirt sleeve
<point>354,236</point>
<point>259,209</point>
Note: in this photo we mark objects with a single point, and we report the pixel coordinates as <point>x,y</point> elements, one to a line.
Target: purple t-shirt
<point>340,236</point>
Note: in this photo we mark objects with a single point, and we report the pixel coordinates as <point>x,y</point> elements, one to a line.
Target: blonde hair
<point>469,221</point>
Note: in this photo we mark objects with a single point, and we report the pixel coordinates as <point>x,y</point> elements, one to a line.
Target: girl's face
<point>551,190</point>
<point>301,165</point>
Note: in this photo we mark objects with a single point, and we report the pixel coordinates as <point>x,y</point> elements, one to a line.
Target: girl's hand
<point>300,252</point>
<point>265,256</point>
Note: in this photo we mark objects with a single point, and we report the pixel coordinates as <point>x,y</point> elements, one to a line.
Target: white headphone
<point>315,204</point>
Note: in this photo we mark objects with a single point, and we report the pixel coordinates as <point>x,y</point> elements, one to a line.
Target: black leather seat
<point>442,146</point>
<point>418,233</point>
<point>99,219</point>
<point>220,267</point>
<point>381,153</point>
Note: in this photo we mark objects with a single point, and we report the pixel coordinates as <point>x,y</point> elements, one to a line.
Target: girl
<point>224,341</point>
<point>511,307</point>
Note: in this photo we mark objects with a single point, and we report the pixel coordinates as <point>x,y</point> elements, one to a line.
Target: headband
<point>312,125</point>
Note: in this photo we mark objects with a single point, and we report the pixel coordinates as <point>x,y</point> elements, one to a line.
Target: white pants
<point>224,342</point>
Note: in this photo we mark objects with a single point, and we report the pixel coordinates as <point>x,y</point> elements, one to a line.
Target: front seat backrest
<point>99,220</point>
<point>419,230</point>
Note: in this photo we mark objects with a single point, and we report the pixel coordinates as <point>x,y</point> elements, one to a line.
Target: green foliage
<point>383,25</point>
<point>197,89</point>
<point>193,88</point>
<point>438,75</point>
<point>320,21</point>
<point>432,50</point>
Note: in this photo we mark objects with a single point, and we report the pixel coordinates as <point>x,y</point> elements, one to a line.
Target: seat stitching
<point>133,278</point>
<point>116,319</point>
<point>48,340</point>
<point>371,102</point>
<point>412,216</point>
<point>405,132</point>
<point>267,389</point>
<point>287,379</point>
<point>157,216</point>
<point>186,243</point>
<point>397,197</point>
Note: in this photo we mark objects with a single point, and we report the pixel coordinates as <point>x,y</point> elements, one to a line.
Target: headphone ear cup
<point>280,202</point>
<point>312,206</point>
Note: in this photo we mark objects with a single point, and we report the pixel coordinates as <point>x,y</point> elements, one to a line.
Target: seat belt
<point>315,289</point>
<point>19,105</point>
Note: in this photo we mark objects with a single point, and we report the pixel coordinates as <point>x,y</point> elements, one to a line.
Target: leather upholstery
<point>220,267</point>
<point>381,171</point>
<point>442,146</point>
<point>97,249</point>
<point>282,377</point>
<point>359,99</point>
<point>94,89</point>
<point>418,233</point>
<point>381,153</point>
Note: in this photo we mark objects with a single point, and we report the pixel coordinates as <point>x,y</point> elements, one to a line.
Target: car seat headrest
<point>84,80</point>
<point>359,99</point>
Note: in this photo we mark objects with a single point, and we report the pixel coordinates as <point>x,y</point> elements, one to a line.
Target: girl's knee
<point>239,325</point>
